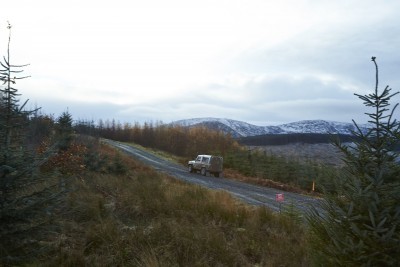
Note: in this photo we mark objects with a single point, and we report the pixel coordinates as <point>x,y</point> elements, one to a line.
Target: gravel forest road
<point>248,193</point>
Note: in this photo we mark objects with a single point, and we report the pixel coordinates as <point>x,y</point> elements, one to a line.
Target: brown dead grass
<point>143,218</point>
<point>235,175</point>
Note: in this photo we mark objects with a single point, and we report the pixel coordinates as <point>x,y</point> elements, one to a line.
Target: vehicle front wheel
<point>190,168</point>
<point>203,171</point>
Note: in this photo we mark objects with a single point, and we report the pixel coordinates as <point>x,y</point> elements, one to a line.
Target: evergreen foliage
<point>284,139</point>
<point>360,224</point>
<point>13,128</point>
<point>64,130</point>
<point>13,118</point>
<point>27,197</point>
<point>189,142</point>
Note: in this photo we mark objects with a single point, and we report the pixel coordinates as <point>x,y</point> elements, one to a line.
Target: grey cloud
<point>287,85</point>
<point>344,51</point>
<point>266,101</point>
<point>79,110</point>
<point>262,112</point>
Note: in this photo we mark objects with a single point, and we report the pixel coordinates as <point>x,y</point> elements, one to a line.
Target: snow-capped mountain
<point>243,129</point>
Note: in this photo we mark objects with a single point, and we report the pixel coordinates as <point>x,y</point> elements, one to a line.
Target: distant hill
<point>284,139</point>
<point>240,129</point>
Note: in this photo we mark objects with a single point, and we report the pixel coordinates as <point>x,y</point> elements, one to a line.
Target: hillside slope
<point>243,129</point>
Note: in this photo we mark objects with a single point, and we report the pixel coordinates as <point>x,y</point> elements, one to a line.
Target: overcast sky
<point>263,62</point>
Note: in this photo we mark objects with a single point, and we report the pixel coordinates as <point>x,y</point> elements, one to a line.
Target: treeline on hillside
<point>178,140</point>
<point>188,142</point>
<point>284,139</point>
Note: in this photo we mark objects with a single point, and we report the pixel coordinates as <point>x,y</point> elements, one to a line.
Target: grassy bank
<point>138,217</point>
<point>265,170</point>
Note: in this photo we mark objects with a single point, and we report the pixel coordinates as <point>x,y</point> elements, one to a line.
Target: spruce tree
<point>13,128</point>
<point>13,118</point>
<point>64,130</point>
<point>27,197</point>
<point>359,225</point>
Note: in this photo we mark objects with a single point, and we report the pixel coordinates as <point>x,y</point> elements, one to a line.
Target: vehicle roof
<point>208,156</point>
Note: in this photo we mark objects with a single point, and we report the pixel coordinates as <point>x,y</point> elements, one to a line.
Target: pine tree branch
<point>19,66</point>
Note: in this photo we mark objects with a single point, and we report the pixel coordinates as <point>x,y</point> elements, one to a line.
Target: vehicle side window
<point>205,160</point>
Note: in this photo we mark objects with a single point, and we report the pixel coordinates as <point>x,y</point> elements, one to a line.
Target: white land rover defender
<point>206,164</point>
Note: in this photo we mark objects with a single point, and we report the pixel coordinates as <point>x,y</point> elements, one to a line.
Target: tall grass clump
<point>144,218</point>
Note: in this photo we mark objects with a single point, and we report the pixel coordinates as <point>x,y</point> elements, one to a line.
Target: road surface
<point>250,194</point>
